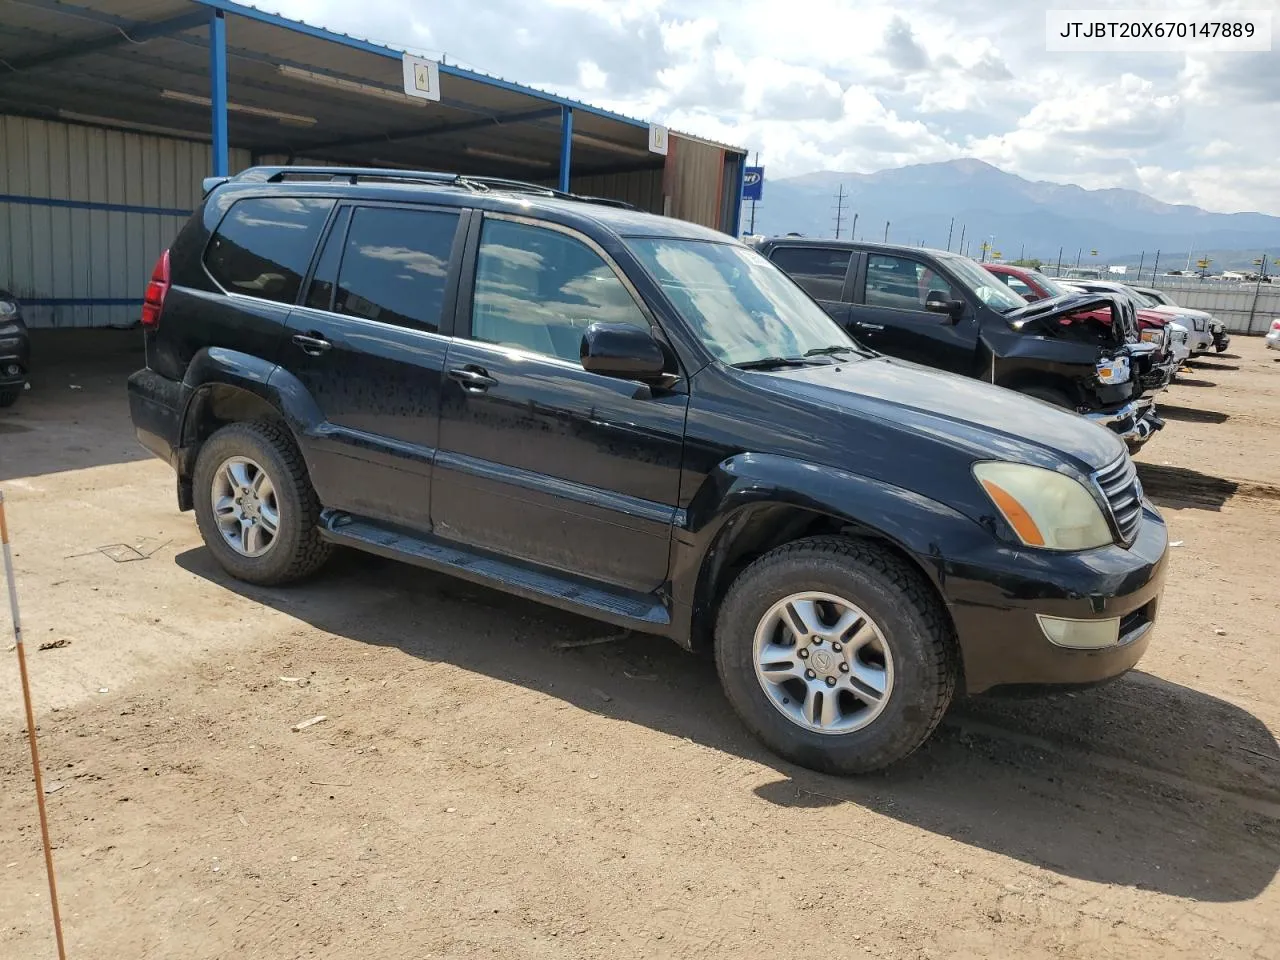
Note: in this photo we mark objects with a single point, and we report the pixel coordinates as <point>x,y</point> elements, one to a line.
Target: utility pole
<point>1154,267</point>
<point>1141,260</point>
<point>1079,254</point>
<point>853,232</point>
<point>886,231</point>
<point>961,246</point>
<point>839,210</point>
<point>1059,261</point>
<point>949,229</point>
<point>1022,254</point>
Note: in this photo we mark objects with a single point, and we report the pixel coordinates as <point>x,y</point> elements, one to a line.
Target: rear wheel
<point>836,654</point>
<point>255,506</point>
<point>9,395</point>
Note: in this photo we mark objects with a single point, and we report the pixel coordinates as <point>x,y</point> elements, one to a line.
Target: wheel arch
<point>752,505</point>
<point>227,386</point>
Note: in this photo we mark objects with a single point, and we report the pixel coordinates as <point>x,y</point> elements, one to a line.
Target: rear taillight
<point>157,289</point>
<point>1275,326</point>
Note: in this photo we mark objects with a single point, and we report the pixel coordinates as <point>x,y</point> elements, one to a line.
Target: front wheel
<point>836,654</point>
<point>9,395</point>
<point>255,506</point>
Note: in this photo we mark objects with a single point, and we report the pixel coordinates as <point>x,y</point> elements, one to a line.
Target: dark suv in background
<point>15,350</point>
<point>944,311</point>
<point>643,421</point>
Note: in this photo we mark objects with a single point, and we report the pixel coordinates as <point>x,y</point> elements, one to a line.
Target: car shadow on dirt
<point>1140,783</point>
<point>1206,363</point>
<point>1191,414</point>
<point>1181,487</point>
<point>1193,382</point>
<point>76,414</point>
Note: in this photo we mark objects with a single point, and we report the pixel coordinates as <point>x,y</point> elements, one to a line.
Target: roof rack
<point>356,174</point>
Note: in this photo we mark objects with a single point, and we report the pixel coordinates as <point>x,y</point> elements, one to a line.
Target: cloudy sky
<point>860,86</point>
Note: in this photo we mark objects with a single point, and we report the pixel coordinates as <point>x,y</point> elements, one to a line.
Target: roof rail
<point>355,174</point>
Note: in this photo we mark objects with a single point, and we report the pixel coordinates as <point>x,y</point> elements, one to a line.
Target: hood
<point>987,421</point>
<point>1183,312</point>
<point>1041,313</point>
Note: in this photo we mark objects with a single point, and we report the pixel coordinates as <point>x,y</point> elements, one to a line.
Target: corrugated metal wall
<point>84,212</point>
<point>694,181</point>
<point>1243,307</point>
<point>642,188</point>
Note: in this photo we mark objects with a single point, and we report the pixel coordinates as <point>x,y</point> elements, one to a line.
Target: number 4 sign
<point>421,78</point>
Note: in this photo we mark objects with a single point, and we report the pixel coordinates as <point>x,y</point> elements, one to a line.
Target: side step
<point>638,611</point>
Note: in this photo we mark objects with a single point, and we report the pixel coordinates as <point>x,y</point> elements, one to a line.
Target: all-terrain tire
<point>298,549</point>
<point>909,615</point>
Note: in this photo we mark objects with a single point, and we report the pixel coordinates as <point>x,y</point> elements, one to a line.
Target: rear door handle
<point>312,344</point>
<point>473,379</point>
<point>868,326</point>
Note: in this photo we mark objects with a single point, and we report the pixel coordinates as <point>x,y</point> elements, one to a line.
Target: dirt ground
<point>482,788</point>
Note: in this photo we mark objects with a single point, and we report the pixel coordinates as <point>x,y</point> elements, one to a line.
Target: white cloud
<point>830,84</point>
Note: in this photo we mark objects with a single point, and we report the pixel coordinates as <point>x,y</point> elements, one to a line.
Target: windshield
<point>1051,288</point>
<point>983,285</point>
<point>1145,299</point>
<point>742,307</point>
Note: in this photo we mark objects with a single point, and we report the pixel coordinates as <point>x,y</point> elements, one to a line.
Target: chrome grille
<point>1123,492</point>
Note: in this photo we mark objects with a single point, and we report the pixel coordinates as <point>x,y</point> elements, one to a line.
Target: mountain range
<point>1025,217</point>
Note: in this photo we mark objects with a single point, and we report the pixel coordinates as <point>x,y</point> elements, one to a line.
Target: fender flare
<point>268,381</point>
<point>913,525</point>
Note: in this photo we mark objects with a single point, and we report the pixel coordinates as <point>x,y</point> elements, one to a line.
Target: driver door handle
<point>312,343</point>
<point>869,326</point>
<point>474,379</point>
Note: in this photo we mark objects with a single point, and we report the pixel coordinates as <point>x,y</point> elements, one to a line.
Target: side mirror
<point>624,351</point>
<point>938,302</point>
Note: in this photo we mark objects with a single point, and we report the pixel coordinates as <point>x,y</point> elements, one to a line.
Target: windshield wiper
<point>829,351</point>
<point>770,363</point>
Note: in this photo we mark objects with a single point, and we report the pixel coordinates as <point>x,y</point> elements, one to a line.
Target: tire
<point>1049,395</point>
<point>296,549</point>
<point>920,661</point>
<point>9,396</point>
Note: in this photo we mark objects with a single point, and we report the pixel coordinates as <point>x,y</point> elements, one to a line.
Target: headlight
<point>1153,336</point>
<point>1044,508</point>
<point>8,308</point>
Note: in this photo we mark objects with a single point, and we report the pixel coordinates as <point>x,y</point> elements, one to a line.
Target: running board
<point>625,608</point>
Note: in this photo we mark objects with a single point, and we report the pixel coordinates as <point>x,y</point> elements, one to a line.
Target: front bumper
<point>1201,341</point>
<point>996,598</point>
<point>1134,422</point>
<point>1273,340</point>
<point>15,353</point>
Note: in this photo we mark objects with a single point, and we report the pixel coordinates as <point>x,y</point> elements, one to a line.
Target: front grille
<point>1123,493</point>
<point>1129,322</point>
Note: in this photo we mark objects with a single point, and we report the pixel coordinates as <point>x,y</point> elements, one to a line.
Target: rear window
<point>820,271</point>
<point>264,244</point>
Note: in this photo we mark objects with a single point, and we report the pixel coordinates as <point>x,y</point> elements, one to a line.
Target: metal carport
<point>111,111</point>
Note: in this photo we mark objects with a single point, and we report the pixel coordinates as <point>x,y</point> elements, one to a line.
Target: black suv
<point>15,350</point>
<point>643,421</point>
<point>943,310</point>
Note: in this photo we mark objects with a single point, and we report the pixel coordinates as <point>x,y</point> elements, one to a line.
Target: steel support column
<point>737,200</point>
<point>566,146</point>
<point>218,91</point>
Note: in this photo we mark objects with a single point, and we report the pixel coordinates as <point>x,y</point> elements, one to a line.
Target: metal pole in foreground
<point>31,726</point>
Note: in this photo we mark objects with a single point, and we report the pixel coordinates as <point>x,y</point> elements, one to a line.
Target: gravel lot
<point>483,787</point>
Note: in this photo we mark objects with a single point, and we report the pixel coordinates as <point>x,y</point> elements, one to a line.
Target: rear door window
<point>263,245</point>
<point>819,270</point>
<point>902,283</point>
<point>395,264</point>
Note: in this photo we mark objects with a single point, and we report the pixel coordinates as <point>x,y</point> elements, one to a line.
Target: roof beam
<point>440,129</point>
<point>134,33</point>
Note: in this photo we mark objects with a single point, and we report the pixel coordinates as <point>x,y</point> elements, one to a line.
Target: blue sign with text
<point>753,183</point>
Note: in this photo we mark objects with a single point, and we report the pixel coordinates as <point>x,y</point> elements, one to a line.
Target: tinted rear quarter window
<point>263,245</point>
<point>820,271</point>
<point>395,264</point>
